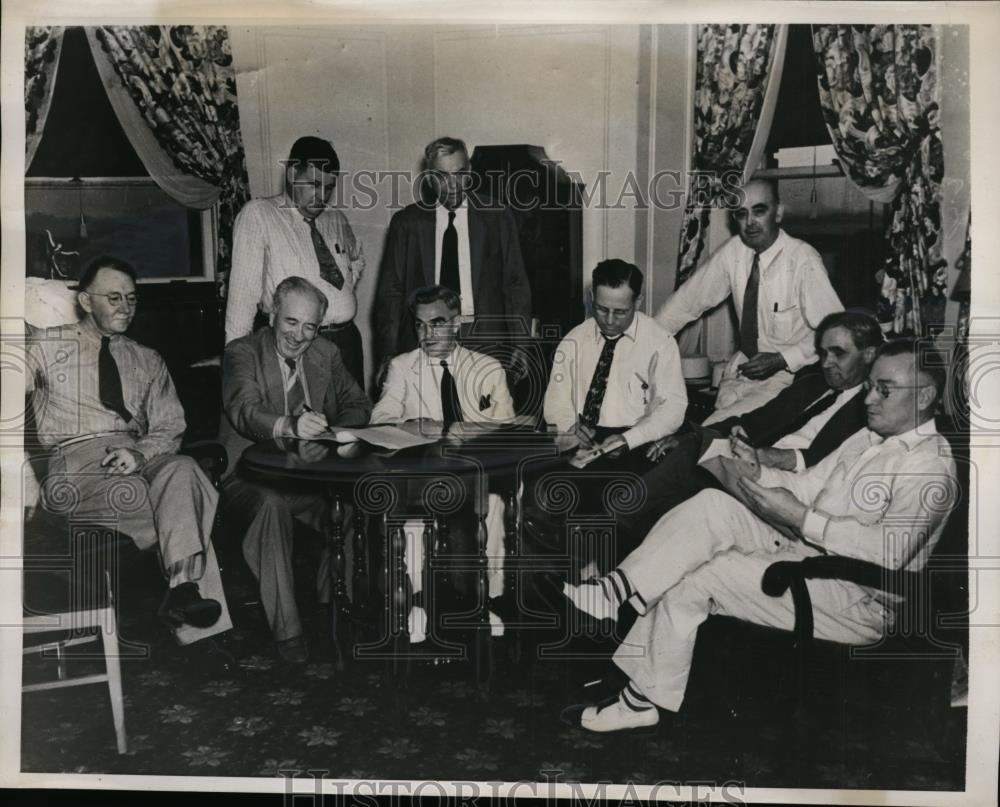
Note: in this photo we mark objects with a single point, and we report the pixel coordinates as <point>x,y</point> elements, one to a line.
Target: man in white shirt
<point>616,380</point>
<point>780,290</point>
<point>441,383</point>
<point>456,239</point>
<point>297,233</point>
<point>883,497</point>
<point>804,423</point>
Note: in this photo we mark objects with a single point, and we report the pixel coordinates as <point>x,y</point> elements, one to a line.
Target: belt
<point>337,326</point>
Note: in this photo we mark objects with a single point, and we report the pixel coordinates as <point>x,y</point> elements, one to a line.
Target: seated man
<point>442,383</point>
<point>616,383</point>
<point>715,547</point>
<point>107,408</point>
<point>282,382</point>
<point>793,431</point>
<point>780,290</point>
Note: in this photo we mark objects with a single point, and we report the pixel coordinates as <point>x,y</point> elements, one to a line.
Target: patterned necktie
<point>451,409</point>
<point>109,381</point>
<point>748,322</point>
<point>449,255</point>
<point>328,268</point>
<point>599,384</point>
<point>296,396</point>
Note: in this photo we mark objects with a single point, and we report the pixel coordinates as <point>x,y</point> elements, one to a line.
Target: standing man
<point>616,382</point>
<point>107,409</point>
<point>872,500</point>
<point>283,382</point>
<point>780,289</point>
<point>297,233</point>
<point>462,241</point>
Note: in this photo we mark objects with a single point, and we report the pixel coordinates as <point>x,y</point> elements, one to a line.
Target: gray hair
<point>299,284</point>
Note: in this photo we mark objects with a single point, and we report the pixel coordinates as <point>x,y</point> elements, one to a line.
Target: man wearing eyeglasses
<point>883,497</point>
<point>106,407</point>
<point>441,384</point>
<point>454,238</point>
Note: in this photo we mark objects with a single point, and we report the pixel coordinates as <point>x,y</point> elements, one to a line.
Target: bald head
<point>758,214</point>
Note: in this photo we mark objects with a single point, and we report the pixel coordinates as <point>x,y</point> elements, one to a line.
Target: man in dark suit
<point>283,383</point>
<point>457,239</point>
<point>804,423</point>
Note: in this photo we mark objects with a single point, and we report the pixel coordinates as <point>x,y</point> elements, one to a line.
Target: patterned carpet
<point>185,717</point>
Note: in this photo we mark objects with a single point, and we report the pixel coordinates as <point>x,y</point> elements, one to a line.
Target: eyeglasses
<point>885,390</point>
<point>116,299</point>
<point>435,324</point>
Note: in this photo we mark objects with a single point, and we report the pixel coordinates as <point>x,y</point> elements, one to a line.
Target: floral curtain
<point>42,47</point>
<point>880,97</point>
<point>180,80</point>
<point>736,64</point>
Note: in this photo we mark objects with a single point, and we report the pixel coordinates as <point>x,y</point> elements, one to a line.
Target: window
<point>87,193</point>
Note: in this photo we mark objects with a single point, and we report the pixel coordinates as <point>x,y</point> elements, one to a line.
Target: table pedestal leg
<point>339,604</point>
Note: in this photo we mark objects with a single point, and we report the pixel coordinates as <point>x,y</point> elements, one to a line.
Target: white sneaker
<point>617,717</point>
<point>591,599</point>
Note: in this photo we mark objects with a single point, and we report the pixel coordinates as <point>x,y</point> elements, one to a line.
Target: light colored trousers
<point>738,395</point>
<point>707,556</point>
<point>168,504</point>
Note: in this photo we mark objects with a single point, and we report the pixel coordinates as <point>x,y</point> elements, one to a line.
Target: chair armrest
<point>210,455</point>
<point>792,575</point>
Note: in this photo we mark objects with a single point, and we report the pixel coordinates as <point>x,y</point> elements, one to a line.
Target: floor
<point>186,717</point>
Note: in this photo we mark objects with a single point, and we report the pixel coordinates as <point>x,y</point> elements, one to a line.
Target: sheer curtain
<point>737,76</point>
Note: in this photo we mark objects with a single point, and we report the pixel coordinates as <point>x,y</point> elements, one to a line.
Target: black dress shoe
<point>183,604</point>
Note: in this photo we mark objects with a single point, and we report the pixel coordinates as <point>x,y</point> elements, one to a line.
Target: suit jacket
<point>410,391</point>
<point>500,284</point>
<point>784,414</point>
<point>253,395</point>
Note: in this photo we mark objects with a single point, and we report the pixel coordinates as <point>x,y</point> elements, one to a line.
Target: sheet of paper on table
<point>391,437</point>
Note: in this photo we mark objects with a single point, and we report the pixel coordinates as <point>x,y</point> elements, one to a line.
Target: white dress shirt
<point>412,388</point>
<point>645,389</point>
<point>803,437</point>
<point>464,254</point>
<point>272,241</point>
<point>795,294</point>
<point>884,501</point>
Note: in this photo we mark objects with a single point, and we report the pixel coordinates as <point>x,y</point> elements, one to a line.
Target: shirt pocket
<point>785,321</point>
<point>637,391</point>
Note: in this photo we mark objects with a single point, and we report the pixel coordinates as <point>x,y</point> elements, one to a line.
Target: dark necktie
<point>328,268</point>
<point>748,322</point>
<point>818,406</point>
<point>109,381</point>
<point>449,255</point>
<point>451,409</point>
<point>296,396</point>
<point>599,384</point>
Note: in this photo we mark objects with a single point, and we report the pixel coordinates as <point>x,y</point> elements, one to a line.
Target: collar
<point>768,255</point>
<point>632,332</point>
<point>435,361</point>
<point>850,392</point>
<point>915,436</point>
<point>89,331</point>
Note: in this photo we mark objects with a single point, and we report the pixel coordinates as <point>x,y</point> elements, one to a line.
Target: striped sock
<point>634,699</point>
<point>617,587</point>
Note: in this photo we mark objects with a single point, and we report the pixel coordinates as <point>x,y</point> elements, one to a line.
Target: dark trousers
<point>348,340</point>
